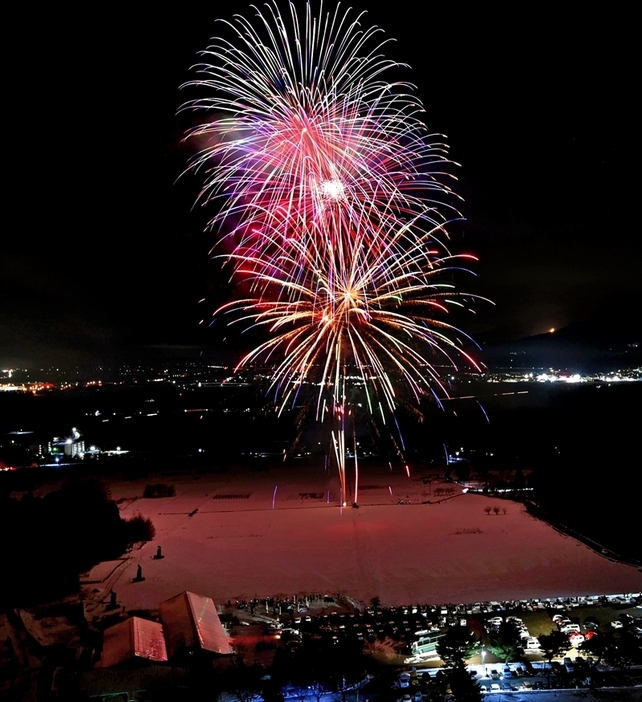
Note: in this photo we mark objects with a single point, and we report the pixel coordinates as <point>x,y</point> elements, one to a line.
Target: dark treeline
<point>576,445</point>
<point>594,497</point>
<point>50,540</point>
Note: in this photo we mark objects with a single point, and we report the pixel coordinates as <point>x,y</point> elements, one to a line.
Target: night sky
<point>102,251</point>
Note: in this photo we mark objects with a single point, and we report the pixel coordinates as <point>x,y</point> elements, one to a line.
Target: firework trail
<point>331,204</point>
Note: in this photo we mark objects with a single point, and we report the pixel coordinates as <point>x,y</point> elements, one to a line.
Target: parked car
<point>569,628</point>
<point>404,680</point>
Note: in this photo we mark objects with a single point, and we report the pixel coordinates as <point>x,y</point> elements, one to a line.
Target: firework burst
<point>331,204</point>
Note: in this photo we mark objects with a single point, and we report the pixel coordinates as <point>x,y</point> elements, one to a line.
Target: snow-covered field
<point>273,532</point>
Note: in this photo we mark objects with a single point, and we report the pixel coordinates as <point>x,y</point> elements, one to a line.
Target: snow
<point>238,546</point>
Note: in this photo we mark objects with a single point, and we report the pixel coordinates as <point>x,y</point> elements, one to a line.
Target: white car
<point>533,644</point>
<point>570,628</point>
